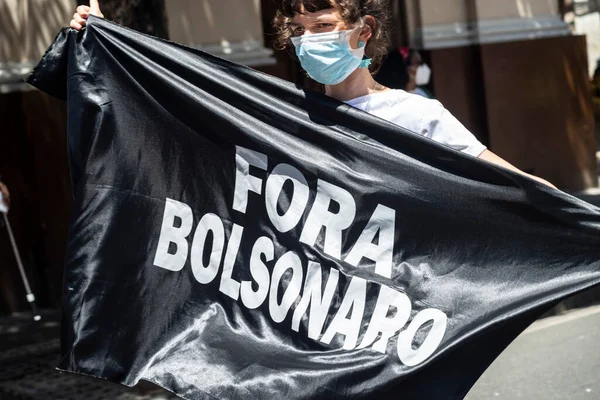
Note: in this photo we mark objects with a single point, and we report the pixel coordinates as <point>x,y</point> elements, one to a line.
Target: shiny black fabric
<point>151,120</point>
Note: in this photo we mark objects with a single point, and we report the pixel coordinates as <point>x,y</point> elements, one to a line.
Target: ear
<point>367,31</point>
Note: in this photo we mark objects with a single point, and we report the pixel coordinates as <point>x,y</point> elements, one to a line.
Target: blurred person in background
<point>419,73</point>
<point>4,198</point>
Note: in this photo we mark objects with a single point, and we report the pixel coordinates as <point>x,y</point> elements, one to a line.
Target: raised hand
<point>83,12</point>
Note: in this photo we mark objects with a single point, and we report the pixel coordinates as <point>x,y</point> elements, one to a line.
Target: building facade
<point>515,74</point>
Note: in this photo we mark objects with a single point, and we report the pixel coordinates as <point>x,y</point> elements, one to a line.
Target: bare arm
<point>494,159</point>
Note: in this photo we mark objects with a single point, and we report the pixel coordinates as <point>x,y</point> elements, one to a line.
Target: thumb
<point>95,8</point>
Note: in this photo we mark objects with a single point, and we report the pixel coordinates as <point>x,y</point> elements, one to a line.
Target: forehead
<point>305,17</point>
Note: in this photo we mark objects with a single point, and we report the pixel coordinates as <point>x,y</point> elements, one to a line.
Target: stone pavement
<point>554,359</point>
<point>29,353</point>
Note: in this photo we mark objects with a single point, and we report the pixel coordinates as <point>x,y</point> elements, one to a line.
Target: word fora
<point>392,309</point>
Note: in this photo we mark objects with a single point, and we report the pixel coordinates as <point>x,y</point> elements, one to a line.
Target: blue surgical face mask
<point>327,57</point>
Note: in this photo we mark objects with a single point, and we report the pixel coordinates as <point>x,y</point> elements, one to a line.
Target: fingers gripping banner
<point>235,237</point>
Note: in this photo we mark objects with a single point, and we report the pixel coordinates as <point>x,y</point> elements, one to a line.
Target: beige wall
<point>412,18</point>
<point>27,27</point>
<point>437,12</point>
<point>451,23</point>
<point>203,22</point>
<point>492,9</point>
<point>434,12</point>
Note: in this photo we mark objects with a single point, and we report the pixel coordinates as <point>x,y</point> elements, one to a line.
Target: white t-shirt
<point>420,115</point>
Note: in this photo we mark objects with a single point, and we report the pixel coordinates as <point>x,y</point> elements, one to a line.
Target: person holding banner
<point>340,44</point>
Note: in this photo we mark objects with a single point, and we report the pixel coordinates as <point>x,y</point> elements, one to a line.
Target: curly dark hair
<point>351,11</point>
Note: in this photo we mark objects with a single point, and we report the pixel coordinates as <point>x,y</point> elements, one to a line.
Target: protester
<point>337,43</point>
<point>419,74</point>
<point>4,198</point>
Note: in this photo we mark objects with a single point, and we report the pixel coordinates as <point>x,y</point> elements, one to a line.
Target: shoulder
<point>415,102</point>
<point>408,110</point>
<point>429,118</point>
<point>423,111</point>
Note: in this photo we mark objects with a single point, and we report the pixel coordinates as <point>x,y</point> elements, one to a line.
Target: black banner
<point>236,237</point>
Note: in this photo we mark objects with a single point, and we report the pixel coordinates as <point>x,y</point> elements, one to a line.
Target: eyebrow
<point>321,18</point>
